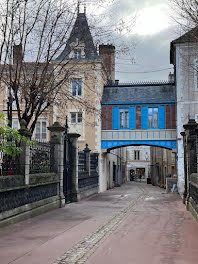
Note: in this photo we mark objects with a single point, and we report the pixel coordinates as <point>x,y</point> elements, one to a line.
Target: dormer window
<point>77,54</point>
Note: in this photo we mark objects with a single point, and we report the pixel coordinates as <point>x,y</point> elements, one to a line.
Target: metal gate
<point>68,165</point>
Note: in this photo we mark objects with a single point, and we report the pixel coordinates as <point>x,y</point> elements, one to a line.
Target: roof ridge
<point>135,83</point>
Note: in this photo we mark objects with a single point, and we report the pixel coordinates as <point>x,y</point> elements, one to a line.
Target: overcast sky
<point>152,33</point>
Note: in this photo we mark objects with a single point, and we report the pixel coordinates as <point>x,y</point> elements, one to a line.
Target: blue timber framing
<point>146,126</point>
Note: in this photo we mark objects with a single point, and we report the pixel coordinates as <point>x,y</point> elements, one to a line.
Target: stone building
<point>88,73</point>
<point>184,57</point>
<point>138,161</point>
<point>163,164</point>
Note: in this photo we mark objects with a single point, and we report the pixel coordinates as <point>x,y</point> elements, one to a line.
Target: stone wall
<point>19,200</point>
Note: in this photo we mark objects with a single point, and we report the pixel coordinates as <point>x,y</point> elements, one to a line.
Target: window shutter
<point>116,118</point>
<point>161,117</point>
<point>144,117</point>
<point>132,118</point>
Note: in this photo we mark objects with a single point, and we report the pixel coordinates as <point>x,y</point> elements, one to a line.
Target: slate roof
<point>81,32</point>
<point>190,36</point>
<point>161,92</point>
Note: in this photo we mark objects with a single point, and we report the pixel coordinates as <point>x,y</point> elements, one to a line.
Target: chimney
<point>17,54</point>
<point>107,53</point>
<point>171,77</point>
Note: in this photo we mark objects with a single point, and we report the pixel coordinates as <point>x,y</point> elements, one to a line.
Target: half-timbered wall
<point>138,116</point>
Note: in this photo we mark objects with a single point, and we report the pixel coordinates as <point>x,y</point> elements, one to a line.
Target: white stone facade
<point>186,56</point>
<point>141,162</point>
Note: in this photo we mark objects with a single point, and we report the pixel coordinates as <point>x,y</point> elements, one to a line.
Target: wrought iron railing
<point>94,161</point>
<point>86,181</point>
<point>81,161</point>
<point>9,164</point>
<point>42,157</point>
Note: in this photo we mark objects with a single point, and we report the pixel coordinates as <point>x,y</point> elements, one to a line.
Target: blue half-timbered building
<point>139,114</point>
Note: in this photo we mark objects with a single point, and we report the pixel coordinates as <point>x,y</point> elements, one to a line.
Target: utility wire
<point>146,71</point>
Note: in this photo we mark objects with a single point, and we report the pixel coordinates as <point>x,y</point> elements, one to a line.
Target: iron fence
<point>81,161</point>
<point>9,164</point>
<point>42,157</point>
<point>88,181</point>
<point>94,161</point>
<point>192,154</point>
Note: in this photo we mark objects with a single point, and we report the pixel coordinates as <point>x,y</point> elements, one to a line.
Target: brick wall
<point>138,117</point>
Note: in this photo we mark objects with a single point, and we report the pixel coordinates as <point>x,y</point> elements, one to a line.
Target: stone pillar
<point>57,140</point>
<point>25,153</point>
<point>87,159</point>
<point>73,137</point>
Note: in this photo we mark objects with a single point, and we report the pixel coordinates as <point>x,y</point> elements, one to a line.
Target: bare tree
<point>186,13</point>
<point>32,35</point>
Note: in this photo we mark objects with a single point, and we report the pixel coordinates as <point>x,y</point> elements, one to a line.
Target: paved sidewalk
<point>133,224</point>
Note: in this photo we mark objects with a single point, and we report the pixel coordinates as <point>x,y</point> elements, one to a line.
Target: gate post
<point>87,159</point>
<point>25,153</point>
<point>57,140</point>
<point>74,141</point>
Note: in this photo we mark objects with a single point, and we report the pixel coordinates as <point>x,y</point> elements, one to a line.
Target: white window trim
<point>136,156</point>
<point>15,119</point>
<point>76,111</point>
<point>82,89</point>
<point>47,124</point>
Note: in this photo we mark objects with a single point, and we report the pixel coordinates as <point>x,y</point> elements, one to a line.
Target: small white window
<point>15,123</point>
<point>77,54</point>
<point>136,155</point>
<point>76,117</point>
<point>41,130</point>
<point>76,87</point>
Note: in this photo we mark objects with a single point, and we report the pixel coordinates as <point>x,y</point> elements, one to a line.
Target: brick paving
<point>133,224</point>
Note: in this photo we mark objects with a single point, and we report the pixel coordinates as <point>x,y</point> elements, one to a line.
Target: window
<point>136,155</point>
<point>124,118</point>
<point>153,117</point>
<point>77,54</point>
<point>41,130</point>
<point>76,87</point>
<point>15,123</point>
<point>76,117</point>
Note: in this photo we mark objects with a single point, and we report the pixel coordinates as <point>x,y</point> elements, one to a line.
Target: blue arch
<point>109,144</point>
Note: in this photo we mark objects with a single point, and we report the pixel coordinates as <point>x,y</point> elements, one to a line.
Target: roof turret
<point>81,39</point>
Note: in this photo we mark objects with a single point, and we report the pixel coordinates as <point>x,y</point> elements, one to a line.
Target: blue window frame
<point>153,117</point>
<point>124,118</point>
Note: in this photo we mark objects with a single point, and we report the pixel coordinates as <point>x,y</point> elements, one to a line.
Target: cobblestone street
<point>133,224</point>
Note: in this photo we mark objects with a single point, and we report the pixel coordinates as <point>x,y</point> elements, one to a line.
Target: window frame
<point>136,154</point>
<point>125,114</point>
<point>41,121</point>
<point>79,81</point>
<point>77,54</point>
<point>153,118</point>
<point>15,120</point>
<point>76,117</point>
